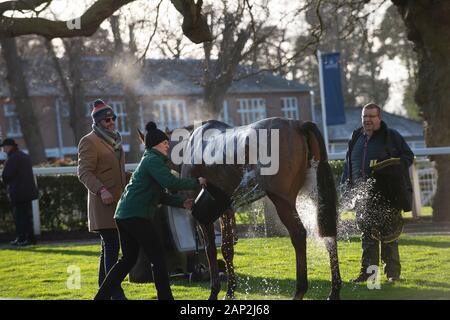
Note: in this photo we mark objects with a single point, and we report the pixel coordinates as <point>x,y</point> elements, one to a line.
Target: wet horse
<point>301,147</point>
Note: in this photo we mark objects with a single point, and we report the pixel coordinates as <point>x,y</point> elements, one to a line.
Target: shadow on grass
<point>319,289</point>
<point>424,242</point>
<point>410,242</point>
<point>39,249</point>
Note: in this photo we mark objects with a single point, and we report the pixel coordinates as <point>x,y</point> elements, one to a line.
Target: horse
<point>301,148</point>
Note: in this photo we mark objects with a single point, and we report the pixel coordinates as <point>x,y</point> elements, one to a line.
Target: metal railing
<point>423,176</point>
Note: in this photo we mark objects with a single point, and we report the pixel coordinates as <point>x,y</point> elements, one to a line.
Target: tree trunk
<point>73,93</point>
<point>131,103</point>
<point>24,107</point>
<point>76,98</point>
<point>128,73</point>
<point>428,23</point>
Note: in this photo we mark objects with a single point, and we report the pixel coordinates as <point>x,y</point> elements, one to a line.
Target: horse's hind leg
<point>228,251</point>
<point>336,283</point>
<point>211,254</point>
<point>288,215</point>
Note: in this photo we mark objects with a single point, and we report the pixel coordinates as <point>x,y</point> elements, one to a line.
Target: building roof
<point>160,77</point>
<point>409,129</point>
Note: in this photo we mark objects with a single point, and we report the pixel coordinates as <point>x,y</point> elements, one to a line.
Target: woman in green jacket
<point>138,203</point>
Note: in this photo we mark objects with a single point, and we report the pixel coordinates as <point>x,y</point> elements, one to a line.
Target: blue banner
<point>331,82</point>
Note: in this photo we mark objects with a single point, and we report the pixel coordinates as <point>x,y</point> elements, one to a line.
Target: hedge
<point>63,202</point>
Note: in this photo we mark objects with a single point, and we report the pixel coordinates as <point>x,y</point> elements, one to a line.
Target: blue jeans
<point>108,257</point>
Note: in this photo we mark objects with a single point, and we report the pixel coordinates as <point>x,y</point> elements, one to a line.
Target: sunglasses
<point>108,120</point>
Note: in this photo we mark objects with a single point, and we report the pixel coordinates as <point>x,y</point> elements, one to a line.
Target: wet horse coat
<point>300,144</point>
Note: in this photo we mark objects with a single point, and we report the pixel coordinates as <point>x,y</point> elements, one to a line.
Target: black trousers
<point>135,233</point>
<point>23,219</point>
<point>389,256</point>
<point>108,258</point>
<point>379,215</point>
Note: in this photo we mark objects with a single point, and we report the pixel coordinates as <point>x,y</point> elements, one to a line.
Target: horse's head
<point>176,167</point>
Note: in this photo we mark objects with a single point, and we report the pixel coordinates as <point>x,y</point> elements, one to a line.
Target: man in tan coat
<point>101,168</point>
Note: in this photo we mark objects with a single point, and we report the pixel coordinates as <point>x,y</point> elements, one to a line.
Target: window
<point>172,114</point>
<point>224,115</point>
<point>119,109</point>
<point>251,110</point>
<point>338,147</point>
<point>289,106</point>
<point>88,109</point>
<point>12,121</point>
<point>122,119</point>
<point>64,109</point>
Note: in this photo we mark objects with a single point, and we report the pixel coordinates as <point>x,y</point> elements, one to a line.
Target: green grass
<point>265,270</point>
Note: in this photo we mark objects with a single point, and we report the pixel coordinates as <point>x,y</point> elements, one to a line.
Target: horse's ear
<point>141,136</point>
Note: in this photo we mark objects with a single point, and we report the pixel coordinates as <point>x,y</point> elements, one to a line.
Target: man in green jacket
<point>138,203</point>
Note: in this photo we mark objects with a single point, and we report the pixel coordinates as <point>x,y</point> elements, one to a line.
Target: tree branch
<point>22,5</point>
<point>194,26</point>
<point>89,22</point>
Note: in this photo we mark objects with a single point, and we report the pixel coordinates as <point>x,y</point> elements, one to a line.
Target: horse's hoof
<point>298,296</point>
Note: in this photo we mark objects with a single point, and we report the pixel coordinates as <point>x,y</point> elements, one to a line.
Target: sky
<point>391,69</point>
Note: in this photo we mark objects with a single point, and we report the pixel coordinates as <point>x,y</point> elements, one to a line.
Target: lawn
<point>265,269</point>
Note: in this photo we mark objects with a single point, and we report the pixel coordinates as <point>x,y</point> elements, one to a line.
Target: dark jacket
<point>395,146</point>
<point>18,176</point>
<point>147,188</point>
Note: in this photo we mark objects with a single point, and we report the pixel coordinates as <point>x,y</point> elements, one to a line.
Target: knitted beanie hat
<point>101,111</point>
<point>154,136</point>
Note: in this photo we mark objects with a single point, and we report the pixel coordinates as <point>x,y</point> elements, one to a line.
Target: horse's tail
<point>327,198</point>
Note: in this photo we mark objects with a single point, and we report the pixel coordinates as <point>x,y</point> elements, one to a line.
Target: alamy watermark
<point>373,282</point>
<point>74,24</point>
<point>74,279</point>
<point>212,146</point>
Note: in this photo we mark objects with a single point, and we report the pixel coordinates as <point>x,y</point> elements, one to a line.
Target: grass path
<point>265,270</point>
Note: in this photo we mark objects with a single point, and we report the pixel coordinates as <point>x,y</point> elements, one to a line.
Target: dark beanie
<point>101,111</point>
<point>154,136</point>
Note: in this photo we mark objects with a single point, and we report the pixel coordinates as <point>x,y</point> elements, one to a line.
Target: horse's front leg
<point>228,251</point>
<point>211,254</point>
<point>288,215</point>
<point>336,283</point>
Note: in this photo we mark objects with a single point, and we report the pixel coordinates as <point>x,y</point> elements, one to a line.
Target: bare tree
<point>72,84</point>
<point>427,24</point>
<point>24,106</point>
<point>194,24</point>
<point>237,39</point>
<point>125,63</point>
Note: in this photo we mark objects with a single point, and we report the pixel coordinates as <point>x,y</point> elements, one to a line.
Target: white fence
<point>423,175</point>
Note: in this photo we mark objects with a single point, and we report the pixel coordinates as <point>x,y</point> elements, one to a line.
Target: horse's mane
<point>190,128</point>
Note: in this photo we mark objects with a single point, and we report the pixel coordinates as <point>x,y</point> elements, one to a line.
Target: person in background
<point>138,204</point>
<point>375,141</point>
<point>18,176</point>
<point>101,168</point>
